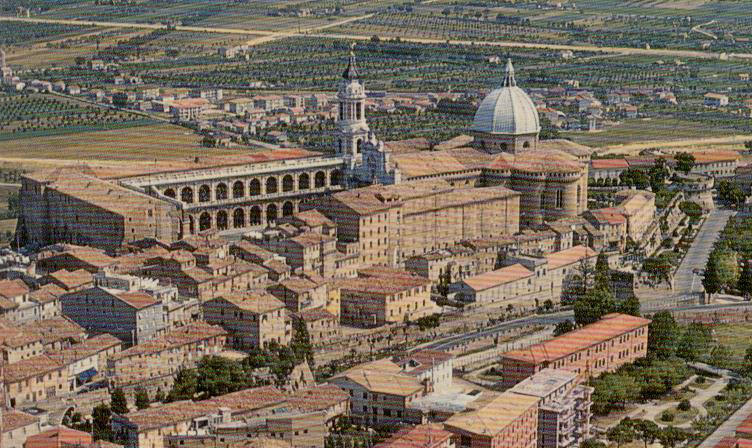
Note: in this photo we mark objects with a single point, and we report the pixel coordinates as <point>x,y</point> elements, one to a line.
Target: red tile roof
<point>605,164</point>
<point>609,327</point>
<point>57,438</point>
<point>421,436</point>
<point>10,289</point>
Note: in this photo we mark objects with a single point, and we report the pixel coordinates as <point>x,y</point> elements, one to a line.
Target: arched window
<point>288,183</point>
<point>341,111</point>
<point>222,220</point>
<point>503,146</point>
<point>271,185</point>
<point>526,145</point>
<point>255,216</point>
<point>339,144</point>
<point>358,146</point>
<point>542,201</point>
<point>304,181</point>
<point>238,218</point>
<point>579,194</point>
<point>191,225</point>
<point>186,195</point>
<point>357,111</point>
<point>254,188</point>
<point>170,193</point>
<point>204,222</point>
<point>320,179</point>
<point>204,193</point>
<point>238,189</point>
<point>559,198</point>
<point>334,178</point>
<point>288,209</point>
<point>271,213</point>
<point>221,192</point>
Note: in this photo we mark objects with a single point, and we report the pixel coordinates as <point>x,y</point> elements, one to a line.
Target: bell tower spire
<point>352,128</point>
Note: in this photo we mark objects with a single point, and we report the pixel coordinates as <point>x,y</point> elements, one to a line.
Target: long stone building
<point>539,181</point>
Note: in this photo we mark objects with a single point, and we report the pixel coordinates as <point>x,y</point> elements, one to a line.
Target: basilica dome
<point>507,110</point>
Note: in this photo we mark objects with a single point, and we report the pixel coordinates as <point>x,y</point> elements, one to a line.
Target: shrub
<point>684,405</point>
<point>700,380</point>
<point>667,416</point>
<point>720,397</point>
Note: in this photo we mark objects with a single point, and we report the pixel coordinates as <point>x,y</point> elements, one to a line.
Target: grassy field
<point>735,337</point>
<point>637,130</point>
<point>144,143</point>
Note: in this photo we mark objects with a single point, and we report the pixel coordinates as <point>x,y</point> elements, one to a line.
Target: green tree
<point>658,174</point>
<point>101,427</point>
<point>623,432</point>
<point>694,342</point>
<point>646,430</point>
<point>301,343</point>
<point>663,335</point>
<point>684,162</point>
<point>595,304</point>
<point>592,443</point>
<point>720,357</point>
<point>142,398</point>
<point>711,281</point>
<point>219,376</point>
<point>728,268</point>
<point>746,367</point>
<point>548,130</point>
<point>613,391</point>
<point>185,386</point>
<point>118,403</point>
<point>671,436</point>
<point>562,327</point>
<point>745,280</point>
<point>630,306</point>
<point>602,276</point>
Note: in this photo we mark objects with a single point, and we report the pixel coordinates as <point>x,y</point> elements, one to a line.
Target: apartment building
<point>87,359</point>
<point>35,379</point>
<point>309,252</point>
<point>564,407</point>
<point>379,297</point>
<point>510,420</point>
<point>154,363</point>
<point>300,293</point>
<point>16,427</point>
<point>148,428</point>
<point>603,346</point>
<point>17,343</point>
<point>322,325</point>
<point>252,319</point>
<point>638,207</point>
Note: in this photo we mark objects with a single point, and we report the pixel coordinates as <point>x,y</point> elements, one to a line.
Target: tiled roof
<point>85,349</point>
<point>57,438</point>
<point>12,336</point>
<point>609,215</point>
<point>430,435</point>
<point>601,164</point>
<point>254,302</point>
<point>569,256</point>
<point>610,326</point>
<point>314,314</point>
<point>317,398</point>
<point>47,293</point>
<point>501,276</point>
<point>172,413</point>
<point>10,289</point>
<point>177,337</point>
<point>57,329</point>
<point>382,376</point>
<point>13,419</point>
<point>494,417</point>
<point>72,279</point>
<point>29,367</point>
<point>137,299</point>
<point>425,360</point>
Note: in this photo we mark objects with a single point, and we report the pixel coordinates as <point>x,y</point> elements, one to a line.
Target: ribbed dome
<point>507,110</point>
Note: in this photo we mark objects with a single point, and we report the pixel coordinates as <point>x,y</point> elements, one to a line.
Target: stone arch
<point>271,212</point>
<point>304,181</point>
<point>170,193</point>
<point>186,195</point>
<point>204,193</point>
<point>271,185</point>
<point>222,220</point>
<point>335,177</point>
<point>320,179</point>
<point>288,183</point>
<point>238,189</point>
<point>204,222</point>
<point>220,192</point>
<point>238,218</point>
<point>254,217</point>
<point>191,225</point>
<point>254,188</point>
<point>288,208</point>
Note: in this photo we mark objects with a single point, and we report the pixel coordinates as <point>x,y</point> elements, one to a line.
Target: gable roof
<point>569,256</point>
<point>382,376</point>
<point>497,277</point>
<point>495,416</point>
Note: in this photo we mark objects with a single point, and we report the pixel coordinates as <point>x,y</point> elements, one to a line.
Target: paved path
<point>728,427</point>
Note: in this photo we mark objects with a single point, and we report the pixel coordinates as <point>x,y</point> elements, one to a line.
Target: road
<point>685,281</point>
<point>266,36</point>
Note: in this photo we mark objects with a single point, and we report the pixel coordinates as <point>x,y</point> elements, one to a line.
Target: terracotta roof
<point>177,337</point>
<point>57,329</point>
<point>609,215</point>
<point>430,435</point>
<point>47,293</point>
<point>72,279</point>
<point>85,349</point>
<point>609,327</point>
<point>255,302</point>
<point>501,276</point>
<point>569,256</point>
<point>715,156</point>
<point>564,145</point>
<point>10,289</point>
<point>12,336</point>
<point>137,299</point>
<point>382,285</point>
<point>604,164</point>
<point>317,398</point>
<point>58,438</point>
<point>314,314</point>
<point>382,376</point>
<point>172,413</point>
<point>29,367</point>
<point>494,417</point>
<point>418,362</point>
<point>13,419</point>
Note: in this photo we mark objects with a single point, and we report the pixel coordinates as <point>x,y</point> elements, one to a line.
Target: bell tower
<point>352,129</point>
